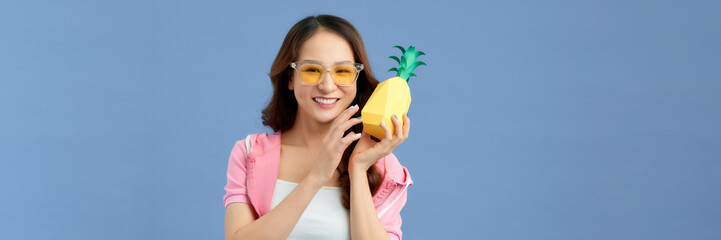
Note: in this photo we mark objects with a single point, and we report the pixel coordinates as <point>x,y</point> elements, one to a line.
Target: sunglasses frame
<point>297,65</point>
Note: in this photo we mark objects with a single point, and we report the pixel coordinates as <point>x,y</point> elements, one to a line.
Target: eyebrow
<point>320,63</point>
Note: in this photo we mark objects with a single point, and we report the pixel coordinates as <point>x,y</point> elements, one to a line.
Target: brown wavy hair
<point>280,112</point>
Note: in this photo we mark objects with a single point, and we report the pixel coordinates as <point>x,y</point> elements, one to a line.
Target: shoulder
<point>393,170</point>
<point>260,143</point>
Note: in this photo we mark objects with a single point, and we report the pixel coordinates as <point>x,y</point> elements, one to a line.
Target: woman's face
<point>325,101</point>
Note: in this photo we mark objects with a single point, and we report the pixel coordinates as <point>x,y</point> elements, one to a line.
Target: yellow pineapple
<point>392,96</point>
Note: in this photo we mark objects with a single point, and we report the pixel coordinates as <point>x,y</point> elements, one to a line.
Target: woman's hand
<point>367,151</point>
<point>334,144</point>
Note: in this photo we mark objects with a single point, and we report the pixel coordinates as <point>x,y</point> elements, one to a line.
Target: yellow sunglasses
<point>342,74</point>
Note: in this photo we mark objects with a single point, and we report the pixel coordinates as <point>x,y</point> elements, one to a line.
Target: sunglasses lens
<point>344,74</point>
<point>310,73</point>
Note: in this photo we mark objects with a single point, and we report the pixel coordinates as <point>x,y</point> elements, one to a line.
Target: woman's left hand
<point>367,151</point>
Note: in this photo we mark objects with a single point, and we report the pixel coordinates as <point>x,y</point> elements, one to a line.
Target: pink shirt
<point>252,178</point>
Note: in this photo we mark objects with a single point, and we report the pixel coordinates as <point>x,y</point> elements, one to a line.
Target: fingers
<point>391,140</point>
<point>401,131</point>
<point>346,114</point>
<point>387,130</point>
<point>399,127</point>
<point>343,118</point>
<point>349,123</point>
<point>406,125</point>
<point>350,137</point>
<point>342,123</point>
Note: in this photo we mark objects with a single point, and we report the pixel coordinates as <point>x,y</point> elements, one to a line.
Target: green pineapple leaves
<point>407,62</point>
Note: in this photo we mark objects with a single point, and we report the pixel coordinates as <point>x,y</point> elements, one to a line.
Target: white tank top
<point>325,217</point>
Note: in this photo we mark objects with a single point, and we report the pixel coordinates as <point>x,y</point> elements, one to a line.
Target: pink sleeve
<point>235,190</point>
<point>392,220</point>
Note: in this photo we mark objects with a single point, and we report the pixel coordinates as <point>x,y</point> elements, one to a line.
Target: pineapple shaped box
<point>391,97</point>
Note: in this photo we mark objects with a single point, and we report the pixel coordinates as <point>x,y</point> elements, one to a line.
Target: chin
<point>327,118</point>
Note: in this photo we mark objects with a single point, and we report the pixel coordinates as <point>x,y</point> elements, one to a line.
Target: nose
<point>326,82</point>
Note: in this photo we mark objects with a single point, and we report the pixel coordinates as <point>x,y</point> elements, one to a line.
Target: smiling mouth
<point>325,101</point>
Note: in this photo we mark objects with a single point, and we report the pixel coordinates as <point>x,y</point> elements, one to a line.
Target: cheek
<point>298,94</point>
<point>352,92</point>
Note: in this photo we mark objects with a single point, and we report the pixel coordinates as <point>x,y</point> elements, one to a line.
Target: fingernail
<point>382,123</point>
<point>351,106</point>
<point>357,134</point>
<point>355,106</point>
<point>395,116</point>
<point>359,118</point>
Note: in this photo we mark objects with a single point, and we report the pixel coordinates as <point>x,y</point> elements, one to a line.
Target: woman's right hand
<point>334,144</point>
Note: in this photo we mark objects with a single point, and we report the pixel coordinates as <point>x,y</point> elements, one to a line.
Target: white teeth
<point>325,101</point>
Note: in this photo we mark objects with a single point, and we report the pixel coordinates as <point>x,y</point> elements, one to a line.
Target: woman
<point>321,178</point>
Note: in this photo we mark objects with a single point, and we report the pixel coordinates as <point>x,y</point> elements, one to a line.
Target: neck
<point>305,132</point>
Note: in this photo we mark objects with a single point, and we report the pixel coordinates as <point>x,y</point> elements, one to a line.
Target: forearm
<point>279,222</point>
<point>364,222</point>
